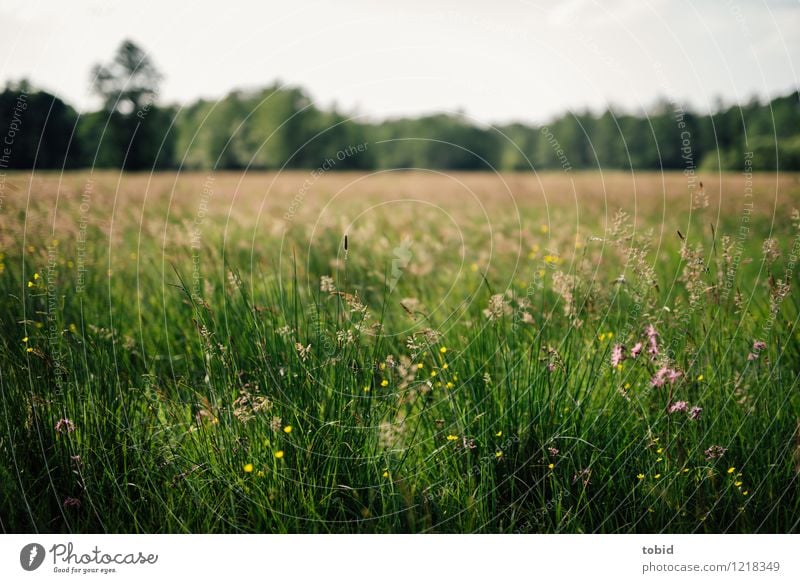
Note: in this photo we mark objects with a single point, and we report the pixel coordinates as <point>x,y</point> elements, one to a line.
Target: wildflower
<point>617,355</point>
<point>449,385</point>
<point>551,366</point>
<point>737,483</point>
<point>715,452</point>
<point>76,460</point>
<point>759,345</point>
<point>678,407</point>
<point>30,284</point>
<point>660,450</point>
<point>64,426</point>
<point>659,378</point>
<point>550,466</point>
<point>652,340</point>
<point>552,451</point>
<point>366,389</point>
<point>745,493</point>
<point>699,378</point>
<point>752,356</point>
<point>433,373</point>
<point>452,437</point>
<point>443,349</point>
<point>248,468</point>
<point>636,350</point>
<point>384,383</point>
<point>731,470</point>
<point>25,340</point>
<point>260,473</point>
<point>657,476</point>
<point>497,308</point>
<point>584,475</point>
<point>695,412</point>
<point>287,429</point>
<point>420,365</point>
<point>29,349</point>
<point>640,476</point>
<point>498,454</point>
<point>279,454</point>
<point>499,434</point>
<point>673,375</point>
<point>326,284</point>
<point>386,474</point>
<point>70,502</point>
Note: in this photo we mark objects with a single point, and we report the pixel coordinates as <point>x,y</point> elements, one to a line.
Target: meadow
<point>397,351</point>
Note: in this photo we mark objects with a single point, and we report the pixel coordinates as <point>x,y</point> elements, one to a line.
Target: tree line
<point>280,127</point>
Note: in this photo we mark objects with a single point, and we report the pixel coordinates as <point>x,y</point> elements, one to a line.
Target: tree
<point>129,83</point>
<point>135,134</point>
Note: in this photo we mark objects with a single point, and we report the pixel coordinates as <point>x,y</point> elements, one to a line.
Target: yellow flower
<point>745,493</point>
<point>445,366</point>
<point>30,284</point>
<point>499,434</point>
<point>421,365</point>
<point>731,470</point>
<point>699,377</point>
<point>383,366</point>
<point>433,373</point>
<point>737,484</point>
<point>602,336</point>
<point>452,437</point>
<point>619,366</point>
<point>386,474</point>
<point>610,335</point>
<point>25,340</point>
<point>36,276</point>
<point>287,429</point>
<point>627,385</point>
<point>550,466</point>
<point>449,385</point>
<point>685,470</point>
<point>640,476</point>
<point>498,454</point>
<point>279,454</point>
<point>660,450</point>
<point>73,328</point>
<point>366,389</point>
<point>384,383</point>
<point>260,473</point>
<point>544,229</point>
<point>657,476</point>
<point>29,350</point>
<point>659,459</point>
<point>443,349</point>
<point>248,468</point>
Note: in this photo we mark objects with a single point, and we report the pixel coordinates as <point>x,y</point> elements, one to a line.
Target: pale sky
<point>497,60</point>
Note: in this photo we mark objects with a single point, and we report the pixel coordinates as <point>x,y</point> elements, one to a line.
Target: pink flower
<point>752,356</point>
<point>551,366</point>
<point>695,412</point>
<point>660,377</point>
<point>636,350</point>
<point>64,426</point>
<point>652,340</point>
<point>673,375</point>
<point>678,407</point>
<point>552,451</point>
<point>759,345</point>
<point>70,502</point>
<point>617,355</point>
<point>665,374</point>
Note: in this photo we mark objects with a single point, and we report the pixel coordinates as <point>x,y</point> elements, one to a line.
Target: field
<point>399,352</point>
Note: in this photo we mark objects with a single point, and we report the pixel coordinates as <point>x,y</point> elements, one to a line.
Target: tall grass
<point>222,383</point>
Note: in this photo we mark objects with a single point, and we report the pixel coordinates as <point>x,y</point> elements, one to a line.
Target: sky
<point>495,61</point>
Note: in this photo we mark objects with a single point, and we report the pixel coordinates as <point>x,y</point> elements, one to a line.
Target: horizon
<point>448,59</point>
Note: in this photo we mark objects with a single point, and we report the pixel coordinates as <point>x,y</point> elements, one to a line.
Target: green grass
<point>174,389</point>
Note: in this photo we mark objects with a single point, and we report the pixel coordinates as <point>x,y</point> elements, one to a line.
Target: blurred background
<point>516,85</point>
